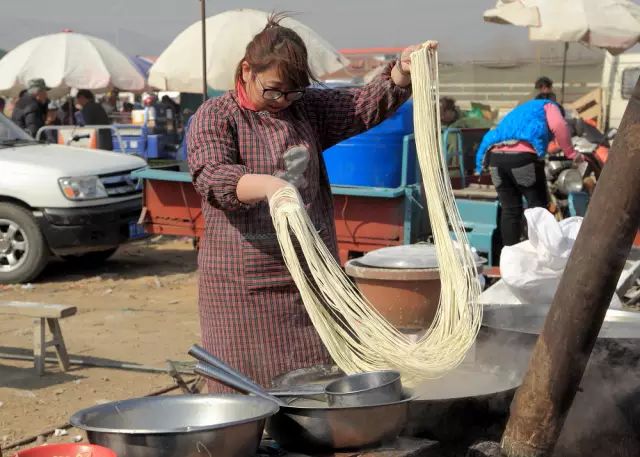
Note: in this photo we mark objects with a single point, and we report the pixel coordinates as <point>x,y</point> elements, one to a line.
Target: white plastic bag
<point>531,270</point>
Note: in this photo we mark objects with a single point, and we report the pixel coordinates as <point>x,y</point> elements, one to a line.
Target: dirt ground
<point>140,307</point>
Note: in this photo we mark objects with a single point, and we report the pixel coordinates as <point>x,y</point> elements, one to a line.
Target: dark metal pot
<point>604,418</point>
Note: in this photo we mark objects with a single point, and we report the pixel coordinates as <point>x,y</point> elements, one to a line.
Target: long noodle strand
<point>356,335</point>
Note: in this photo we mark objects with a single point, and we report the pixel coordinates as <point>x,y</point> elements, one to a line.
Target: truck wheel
<point>90,258</point>
<point>23,250</point>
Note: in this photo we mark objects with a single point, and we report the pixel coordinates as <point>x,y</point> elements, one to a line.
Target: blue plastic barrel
<point>374,158</point>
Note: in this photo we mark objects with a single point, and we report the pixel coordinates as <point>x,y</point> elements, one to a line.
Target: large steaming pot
<point>605,416</point>
<point>514,329</point>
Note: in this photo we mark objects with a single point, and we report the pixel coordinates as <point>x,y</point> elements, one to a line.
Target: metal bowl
<point>363,389</point>
<point>308,425</point>
<point>569,180</point>
<point>224,425</point>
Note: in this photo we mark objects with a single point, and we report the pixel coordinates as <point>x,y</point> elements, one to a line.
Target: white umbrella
<point>68,60</point>
<point>228,35</point>
<point>613,25</point>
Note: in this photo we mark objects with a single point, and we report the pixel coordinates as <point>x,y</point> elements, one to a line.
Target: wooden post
<point>203,24</point>
<point>58,343</point>
<point>571,328</point>
<point>39,348</point>
<point>564,70</point>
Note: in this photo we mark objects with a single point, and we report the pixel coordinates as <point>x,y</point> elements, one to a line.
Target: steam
<point>604,420</point>
<point>605,417</point>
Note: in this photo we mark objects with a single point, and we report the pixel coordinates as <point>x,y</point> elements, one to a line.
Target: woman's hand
<point>401,73</point>
<point>274,185</point>
<point>254,188</point>
<point>405,57</point>
<point>578,158</point>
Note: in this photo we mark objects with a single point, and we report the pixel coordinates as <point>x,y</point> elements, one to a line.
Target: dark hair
<point>548,96</point>
<point>552,97</point>
<point>447,103</point>
<point>449,112</point>
<point>85,93</point>
<point>281,47</point>
<point>543,81</point>
<point>22,92</point>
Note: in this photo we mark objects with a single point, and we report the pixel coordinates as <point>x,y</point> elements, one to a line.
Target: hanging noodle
<point>356,335</point>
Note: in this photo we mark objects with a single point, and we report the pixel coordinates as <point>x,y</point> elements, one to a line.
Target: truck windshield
<point>11,134</point>
<point>629,78</point>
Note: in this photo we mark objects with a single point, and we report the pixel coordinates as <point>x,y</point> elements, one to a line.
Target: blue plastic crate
<point>151,147</point>
<point>133,144</point>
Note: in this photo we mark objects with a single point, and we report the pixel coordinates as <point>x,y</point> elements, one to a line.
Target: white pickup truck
<point>619,76</point>
<point>77,204</point>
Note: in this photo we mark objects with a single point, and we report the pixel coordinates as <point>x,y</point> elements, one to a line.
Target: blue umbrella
<point>142,64</point>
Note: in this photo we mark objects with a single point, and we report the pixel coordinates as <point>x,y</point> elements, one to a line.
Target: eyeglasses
<point>275,94</point>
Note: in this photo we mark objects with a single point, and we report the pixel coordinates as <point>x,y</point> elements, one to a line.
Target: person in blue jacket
<point>514,152</point>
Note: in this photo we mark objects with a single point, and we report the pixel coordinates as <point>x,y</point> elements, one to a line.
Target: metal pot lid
<point>411,256</point>
<point>407,256</point>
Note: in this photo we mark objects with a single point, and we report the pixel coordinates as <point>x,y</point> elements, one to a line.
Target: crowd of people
<point>33,109</point>
<point>512,152</point>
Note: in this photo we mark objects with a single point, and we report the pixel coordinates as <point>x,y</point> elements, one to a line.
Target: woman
<point>244,146</point>
<point>513,152</point>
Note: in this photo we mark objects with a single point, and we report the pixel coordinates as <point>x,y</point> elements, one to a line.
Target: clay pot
<point>407,298</point>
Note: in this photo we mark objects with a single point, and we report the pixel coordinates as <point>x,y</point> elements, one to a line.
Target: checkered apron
<point>251,313</point>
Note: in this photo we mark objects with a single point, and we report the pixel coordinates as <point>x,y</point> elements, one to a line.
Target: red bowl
<point>67,450</point>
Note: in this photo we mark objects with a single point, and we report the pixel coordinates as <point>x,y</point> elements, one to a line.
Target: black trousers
<point>516,175</point>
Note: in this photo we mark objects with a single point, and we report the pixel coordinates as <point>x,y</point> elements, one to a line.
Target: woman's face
<point>256,83</point>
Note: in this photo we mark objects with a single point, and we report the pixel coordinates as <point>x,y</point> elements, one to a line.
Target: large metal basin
<point>529,319</point>
<point>471,400</point>
<point>509,332</point>
<point>224,425</point>
<point>445,409</point>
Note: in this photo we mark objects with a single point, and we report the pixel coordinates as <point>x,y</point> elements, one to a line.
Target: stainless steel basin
<point>618,324</point>
<point>224,425</point>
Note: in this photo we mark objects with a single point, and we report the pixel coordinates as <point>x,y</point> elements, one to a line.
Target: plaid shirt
<point>250,310</point>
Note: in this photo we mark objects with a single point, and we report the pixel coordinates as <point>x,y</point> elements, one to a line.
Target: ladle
<point>362,389</point>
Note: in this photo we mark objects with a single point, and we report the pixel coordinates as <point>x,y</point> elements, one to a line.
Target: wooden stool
<point>51,314</point>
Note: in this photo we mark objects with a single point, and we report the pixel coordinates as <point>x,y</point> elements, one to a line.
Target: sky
<point>147,27</point>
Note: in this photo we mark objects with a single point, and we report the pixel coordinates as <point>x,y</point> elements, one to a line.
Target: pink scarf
<point>243,99</point>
